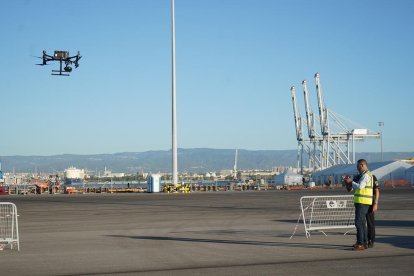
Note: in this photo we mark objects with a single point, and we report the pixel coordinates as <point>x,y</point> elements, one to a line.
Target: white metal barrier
<point>9,227</point>
<point>327,212</point>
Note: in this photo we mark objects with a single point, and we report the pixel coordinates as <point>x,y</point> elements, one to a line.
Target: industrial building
<point>288,178</point>
<point>386,172</point>
<point>74,173</point>
<point>409,175</point>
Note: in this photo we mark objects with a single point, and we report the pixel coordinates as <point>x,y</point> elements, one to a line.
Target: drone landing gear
<point>60,73</point>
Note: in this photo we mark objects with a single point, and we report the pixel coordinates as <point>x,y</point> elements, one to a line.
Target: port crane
<point>63,58</point>
<point>315,141</point>
<point>298,126</point>
<point>336,140</point>
<point>305,145</point>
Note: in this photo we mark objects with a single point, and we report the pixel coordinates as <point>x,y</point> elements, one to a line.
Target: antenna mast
<point>235,165</point>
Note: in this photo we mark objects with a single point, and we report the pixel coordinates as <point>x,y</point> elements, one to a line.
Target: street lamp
<point>174,115</point>
<point>381,124</point>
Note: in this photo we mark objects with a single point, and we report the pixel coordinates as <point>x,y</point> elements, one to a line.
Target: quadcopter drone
<point>62,57</point>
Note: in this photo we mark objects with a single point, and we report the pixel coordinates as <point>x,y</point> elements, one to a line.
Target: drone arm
<point>77,58</point>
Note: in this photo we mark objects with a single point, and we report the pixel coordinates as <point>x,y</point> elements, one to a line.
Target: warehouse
<point>387,171</point>
<point>409,175</point>
<point>288,178</point>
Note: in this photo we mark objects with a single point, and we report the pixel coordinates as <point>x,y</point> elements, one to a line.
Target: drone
<point>62,57</point>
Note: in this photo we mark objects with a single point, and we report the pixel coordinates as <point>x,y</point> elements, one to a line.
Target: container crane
<point>309,114</point>
<point>323,113</point>
<point>332,145</point>
<point>299,134</point>
<point>310,119</point>
<point>297,118</point>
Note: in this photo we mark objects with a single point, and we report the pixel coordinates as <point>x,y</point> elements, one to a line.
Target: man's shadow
<point>395,240</point>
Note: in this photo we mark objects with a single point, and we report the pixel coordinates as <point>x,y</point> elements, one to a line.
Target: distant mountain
<point>190,160</point>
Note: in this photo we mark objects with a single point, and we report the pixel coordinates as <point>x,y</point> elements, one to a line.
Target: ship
<point>74,176</point>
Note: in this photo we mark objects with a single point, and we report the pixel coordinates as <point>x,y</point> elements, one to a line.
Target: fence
<point>397,183</point>
<point>327,212</point>
<point>9,228</point>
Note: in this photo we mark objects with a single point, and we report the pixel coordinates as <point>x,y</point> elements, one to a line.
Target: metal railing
<point>9,226</point>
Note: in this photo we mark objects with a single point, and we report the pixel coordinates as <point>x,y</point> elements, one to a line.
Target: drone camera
<point>68,69</point>
<point>61,54</point>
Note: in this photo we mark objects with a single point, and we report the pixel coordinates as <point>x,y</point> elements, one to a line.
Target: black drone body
<point>63,58</point>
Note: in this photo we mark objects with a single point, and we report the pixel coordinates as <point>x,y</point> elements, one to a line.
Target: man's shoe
<point>370,244</point>
<point>359,247</point>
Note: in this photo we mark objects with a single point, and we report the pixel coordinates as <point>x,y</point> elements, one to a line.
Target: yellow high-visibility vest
<point>365,195</point>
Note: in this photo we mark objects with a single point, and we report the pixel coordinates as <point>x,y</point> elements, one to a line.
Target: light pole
<point>381,124</point>
<point>174,115</point>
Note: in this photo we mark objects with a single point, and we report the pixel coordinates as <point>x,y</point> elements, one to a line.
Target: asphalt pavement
<point>201,233</point>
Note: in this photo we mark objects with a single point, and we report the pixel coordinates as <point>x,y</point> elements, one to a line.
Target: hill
<point>190,160</point>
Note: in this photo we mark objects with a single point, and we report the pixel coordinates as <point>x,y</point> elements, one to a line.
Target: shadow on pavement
<point>236,242</point>
<point>397,241</point>
<point>395,223</point>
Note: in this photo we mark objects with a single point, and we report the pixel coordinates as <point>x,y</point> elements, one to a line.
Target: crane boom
<point>309,113</point>
<point>298,120</point>
<point>323,116</point>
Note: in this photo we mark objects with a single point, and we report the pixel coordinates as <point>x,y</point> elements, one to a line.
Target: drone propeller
<point>44,60</point>
<point>78,57</point>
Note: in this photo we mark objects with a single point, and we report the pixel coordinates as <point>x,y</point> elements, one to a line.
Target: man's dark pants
<point>361,211</point>
<point>371,224</point>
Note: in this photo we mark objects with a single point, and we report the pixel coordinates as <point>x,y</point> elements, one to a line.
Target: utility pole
<point>381,124</point>
<point>174,115</point>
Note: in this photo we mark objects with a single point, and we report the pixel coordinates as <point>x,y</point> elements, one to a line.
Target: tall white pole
<point>381,124</point>
<point>235,165</point>
<point>174,115</point>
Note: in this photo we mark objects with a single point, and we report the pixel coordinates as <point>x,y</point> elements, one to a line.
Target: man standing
<point>363,195</point>
<point>370,216</point>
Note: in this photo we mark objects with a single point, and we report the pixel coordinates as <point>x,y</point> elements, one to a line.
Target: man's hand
<point>347,180</point>
<point>348,183</point>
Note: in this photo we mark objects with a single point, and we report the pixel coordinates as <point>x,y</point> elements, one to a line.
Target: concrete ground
<point>202,233</point>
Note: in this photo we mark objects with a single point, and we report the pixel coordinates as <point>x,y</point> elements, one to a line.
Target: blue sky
<point>236,62</point>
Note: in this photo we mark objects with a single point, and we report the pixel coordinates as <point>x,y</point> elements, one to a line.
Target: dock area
<point>201,233</point>
<point>142,188</point>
